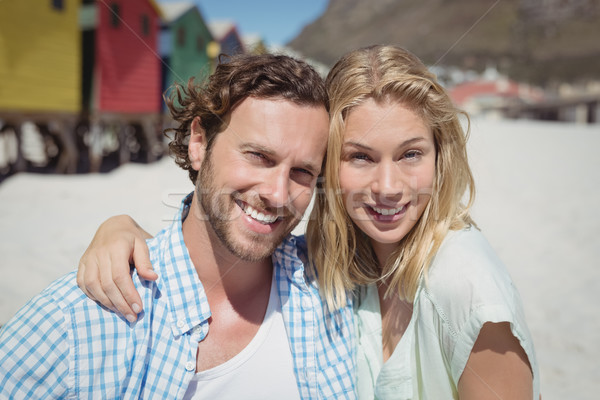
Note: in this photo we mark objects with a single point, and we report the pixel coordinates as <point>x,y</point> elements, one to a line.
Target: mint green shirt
<point>467,286</point>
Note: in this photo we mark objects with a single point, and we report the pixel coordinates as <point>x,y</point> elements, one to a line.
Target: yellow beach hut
<point>40,55</point>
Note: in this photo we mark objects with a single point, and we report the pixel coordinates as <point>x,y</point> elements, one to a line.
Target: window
<point>181,36</point>
<point>145,25</point>
<point>115,15</point>
<point>58,5</point>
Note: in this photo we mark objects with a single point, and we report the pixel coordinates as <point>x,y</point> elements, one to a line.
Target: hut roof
<point>172,11</point>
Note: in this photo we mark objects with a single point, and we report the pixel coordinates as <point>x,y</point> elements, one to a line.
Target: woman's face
<point>387,171</point>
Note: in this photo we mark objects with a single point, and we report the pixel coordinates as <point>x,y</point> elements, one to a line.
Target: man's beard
<point>219,208</point>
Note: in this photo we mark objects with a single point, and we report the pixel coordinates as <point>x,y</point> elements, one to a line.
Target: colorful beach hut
<point>40,60</point>
<point>254,44</point>
<point>226,34</point>
<point>183,43</point>
<point>124,61</point>
<point>40,55</point>
<point>121,77</point>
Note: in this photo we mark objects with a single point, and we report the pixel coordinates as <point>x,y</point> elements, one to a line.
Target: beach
<point>536,194</point>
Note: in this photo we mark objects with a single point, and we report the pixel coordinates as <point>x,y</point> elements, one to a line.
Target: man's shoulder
<point>48,305</point>
<point>51,314</point>
<point>64,297</point>
<point>35,343</point>
<point>162,243</point>
<point>62,294</point>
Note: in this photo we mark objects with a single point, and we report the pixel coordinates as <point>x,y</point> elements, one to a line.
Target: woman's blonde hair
<point>341,252</point>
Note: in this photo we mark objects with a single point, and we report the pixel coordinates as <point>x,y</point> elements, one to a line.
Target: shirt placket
<point>310,362</point>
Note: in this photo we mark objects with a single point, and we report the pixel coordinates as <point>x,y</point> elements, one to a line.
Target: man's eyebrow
<point>365,147</point>
<point>249,146</point>
<point>314,169</point>
<point>257,147</point>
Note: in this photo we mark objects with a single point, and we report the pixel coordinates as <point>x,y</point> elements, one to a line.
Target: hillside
<point>539,41</point>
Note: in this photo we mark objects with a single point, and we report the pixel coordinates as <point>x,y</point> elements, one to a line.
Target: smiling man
<point>235,312</point>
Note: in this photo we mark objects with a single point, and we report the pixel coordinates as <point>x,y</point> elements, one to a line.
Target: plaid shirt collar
<point>188,307</point>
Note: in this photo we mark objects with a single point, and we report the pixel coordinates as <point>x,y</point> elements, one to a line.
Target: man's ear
<point>197,145</point>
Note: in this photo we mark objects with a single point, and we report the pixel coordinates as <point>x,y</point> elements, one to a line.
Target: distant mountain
<point>539,41</point>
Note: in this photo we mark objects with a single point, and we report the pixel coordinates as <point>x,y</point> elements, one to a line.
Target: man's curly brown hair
<point>264,76</point>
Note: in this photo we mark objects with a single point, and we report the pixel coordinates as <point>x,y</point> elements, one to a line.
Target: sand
<point>537,192</point>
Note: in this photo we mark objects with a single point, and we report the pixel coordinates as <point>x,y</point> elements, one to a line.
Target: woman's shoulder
<point>466,287</point>
<point>467,270</point>
<point>465,251</point>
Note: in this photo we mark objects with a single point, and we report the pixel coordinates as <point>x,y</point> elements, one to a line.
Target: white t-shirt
<point>262,370</point>
<point>467,286</point>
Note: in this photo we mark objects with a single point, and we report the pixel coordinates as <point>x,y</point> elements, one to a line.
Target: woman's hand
<point>498,367</point>
<point>104,271</point>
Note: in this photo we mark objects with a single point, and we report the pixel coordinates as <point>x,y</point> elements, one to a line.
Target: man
<point>224,319</point>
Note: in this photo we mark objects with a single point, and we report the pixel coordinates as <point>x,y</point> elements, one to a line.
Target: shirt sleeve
<point>34,352</point>
<point>471,286</point>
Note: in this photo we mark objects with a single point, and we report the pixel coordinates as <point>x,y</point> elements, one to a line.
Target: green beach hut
<point>183,44</point>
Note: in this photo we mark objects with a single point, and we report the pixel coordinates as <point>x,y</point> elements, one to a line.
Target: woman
<point>436,313</point>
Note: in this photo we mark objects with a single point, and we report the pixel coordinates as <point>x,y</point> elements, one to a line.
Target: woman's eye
<point>411,155</point>
<point>359,156</point>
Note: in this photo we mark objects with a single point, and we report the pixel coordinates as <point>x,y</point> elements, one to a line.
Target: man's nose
<point>277,188</point>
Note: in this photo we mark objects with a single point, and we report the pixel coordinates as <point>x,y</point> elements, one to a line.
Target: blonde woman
<point>436,313</point>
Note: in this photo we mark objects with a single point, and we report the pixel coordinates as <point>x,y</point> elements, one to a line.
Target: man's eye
<point>304,171</point>
<point>302,176</point>
<point>256,154</point>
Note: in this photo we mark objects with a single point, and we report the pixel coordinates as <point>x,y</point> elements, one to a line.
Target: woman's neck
<point>395,317</point>
<point>383,252</point>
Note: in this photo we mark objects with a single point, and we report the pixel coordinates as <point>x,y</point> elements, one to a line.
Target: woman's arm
<point>104,269</point>
<point>498,367</point>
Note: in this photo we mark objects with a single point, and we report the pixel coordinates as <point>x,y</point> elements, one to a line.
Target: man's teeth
<point>387,211</point>
<point>260,217</point>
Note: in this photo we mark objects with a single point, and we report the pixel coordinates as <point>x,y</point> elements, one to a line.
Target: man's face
<point>258,178</point>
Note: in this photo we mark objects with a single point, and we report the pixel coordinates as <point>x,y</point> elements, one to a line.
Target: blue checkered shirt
<point>63,345</point>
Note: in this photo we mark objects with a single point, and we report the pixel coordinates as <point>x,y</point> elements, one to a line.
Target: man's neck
<point>237,292</point>
<point>220,271</point>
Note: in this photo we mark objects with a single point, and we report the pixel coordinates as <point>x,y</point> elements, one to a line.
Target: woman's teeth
<point>387,211</point>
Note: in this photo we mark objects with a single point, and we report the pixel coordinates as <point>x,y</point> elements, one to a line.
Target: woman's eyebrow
<point>365,147</point>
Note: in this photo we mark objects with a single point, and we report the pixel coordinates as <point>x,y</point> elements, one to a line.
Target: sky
<point>276,21</point>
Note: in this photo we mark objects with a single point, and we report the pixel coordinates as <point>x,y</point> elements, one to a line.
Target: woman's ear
<point>197,144</point>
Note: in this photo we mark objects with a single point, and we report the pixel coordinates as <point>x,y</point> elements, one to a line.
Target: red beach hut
<point>127,67</point>
<point>122,77</point>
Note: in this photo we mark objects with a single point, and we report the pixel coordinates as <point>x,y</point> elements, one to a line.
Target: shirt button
<point>190,366</point>
<point>180,324</point>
